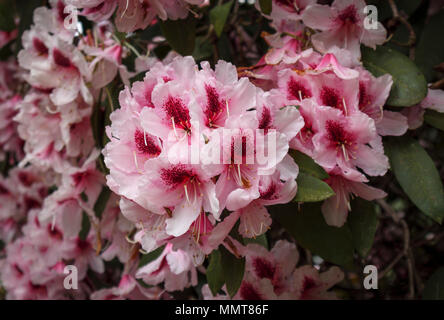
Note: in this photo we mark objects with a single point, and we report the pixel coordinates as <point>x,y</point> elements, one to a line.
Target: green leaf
<point>308,165</point>
<point>260,240</point>
<point>266,6</point>
<point>101,201</point>
<point>7,22</point>
<point>409,84</point>
<point>202,49</point>
<point>434,287</point>
<point>233,271</point>
<point>417,175</point>
<point>309,229</point>
<point>180,34</point>
<point>311,189</point>
<point>430,50</point>
<point>363,223</point>
<point>149,257</point>
<point>219,15</point>
<point>86,226</point>
<point>215,274</point>
<point>435,119</point>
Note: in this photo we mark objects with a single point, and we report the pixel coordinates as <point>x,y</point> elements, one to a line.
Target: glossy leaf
<point>308,165</point>
<point>409,84</point>
<point>430,49</point>
<point>180,34</point>
<point>363,223</point>
<point>435,119</point>
<point>266,6</point>
<point>311,189</point>
<point>233,271</point>
<point>261,240</point>
<point>219,15</point>
<point>310,231</point>
<point>417,175</point>
<point>215,273</point>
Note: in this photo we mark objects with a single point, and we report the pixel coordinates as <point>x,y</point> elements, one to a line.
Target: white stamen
<point>144,137</point>
<point>186,193</point>
<point>300,95</point>
<point>228,110</point>
<point>345,107</point>
<point>344,152</point>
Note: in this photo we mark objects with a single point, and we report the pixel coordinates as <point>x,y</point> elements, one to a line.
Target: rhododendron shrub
<point>198,149</point>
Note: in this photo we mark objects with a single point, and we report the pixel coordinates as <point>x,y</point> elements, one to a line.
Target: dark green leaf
<point>215,273</point>
<point>233,270</point>
<point>149,257</point>
<point>311,189</point>
<point>101,202</point>
<point>430,50</point>
<point>308,165</point>
<point>260,240</point>
<point>363,223</point>
<point>219,15</point>
<point>203,49</point>
<point>180,34</point>
<point>434,287</point>
<point>417,175</point>
<point>266,6</point>
<point>409,84</point>
<point>309,229</point>
<point>86,226</point>
<point>7,22</point>
<point>435,119</point>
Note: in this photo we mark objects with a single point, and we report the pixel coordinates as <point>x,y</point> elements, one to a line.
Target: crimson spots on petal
<point>264,268</point>
<point>176,175</point>
<point>330,97</point>
<point>83,245</point>
<point>61,15</point>
<point>3,190</point>
<point>337,134</point>
<point>176,110</point>
<point>39,46</point>
<point>214,105</point>
<point>146,144</point>
<point>349,15</point>
<point>248,292</point>
<point>364,99</point>
<point>296,90</point>
<point>60,59</point>
<point>265,121</point>
<point>269,193</point>
<point>31,203</point>
<point>26,178</point>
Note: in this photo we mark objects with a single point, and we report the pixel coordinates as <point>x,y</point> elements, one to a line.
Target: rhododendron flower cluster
<point>159,149</point>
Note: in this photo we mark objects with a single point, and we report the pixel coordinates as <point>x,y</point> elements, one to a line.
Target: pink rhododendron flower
<point>342,25</point>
